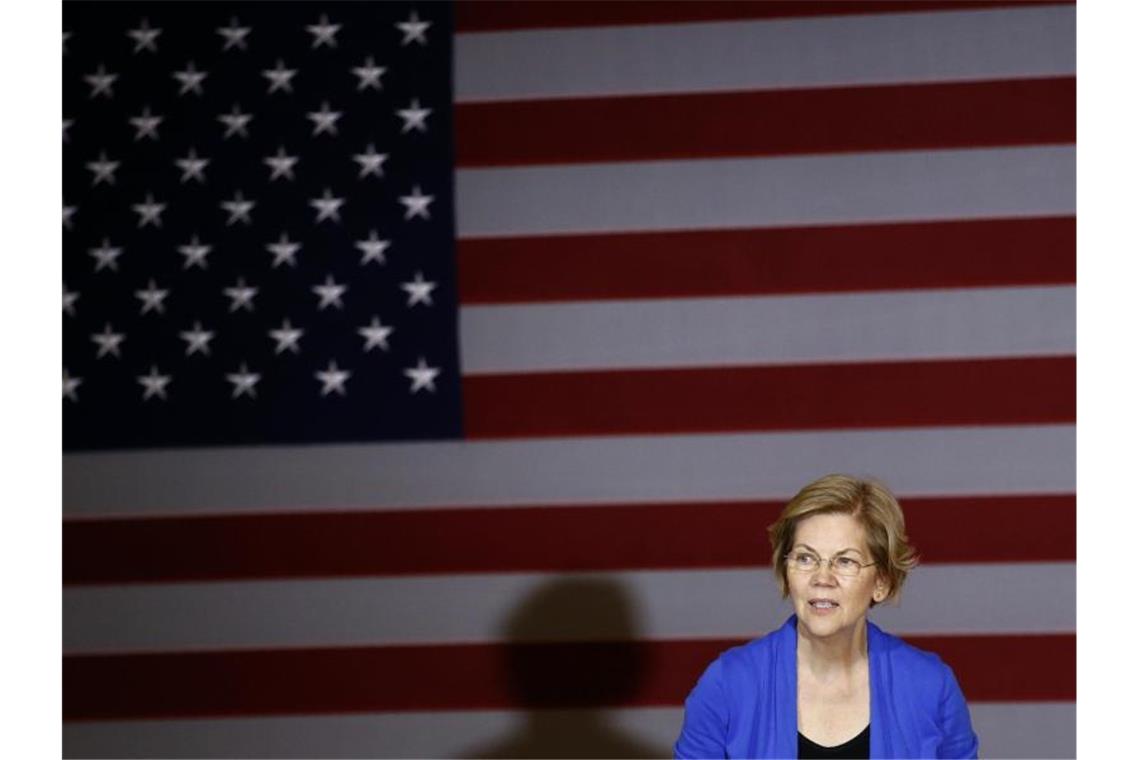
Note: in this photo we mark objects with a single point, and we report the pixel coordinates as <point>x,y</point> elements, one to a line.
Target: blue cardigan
<point>744,705</point>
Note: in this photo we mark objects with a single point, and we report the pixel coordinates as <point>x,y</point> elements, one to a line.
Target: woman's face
<point>826,602</point>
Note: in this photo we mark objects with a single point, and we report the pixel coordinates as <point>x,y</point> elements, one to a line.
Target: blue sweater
<point>744,705</point>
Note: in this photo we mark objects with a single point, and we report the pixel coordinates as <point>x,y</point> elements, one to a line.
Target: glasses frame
<point>829,561</point>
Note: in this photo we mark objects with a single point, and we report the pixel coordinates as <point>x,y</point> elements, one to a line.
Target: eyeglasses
<point>806,562</point>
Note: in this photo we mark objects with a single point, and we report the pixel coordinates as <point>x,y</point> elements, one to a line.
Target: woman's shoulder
<point>901,656</point>
<point>757,654</point>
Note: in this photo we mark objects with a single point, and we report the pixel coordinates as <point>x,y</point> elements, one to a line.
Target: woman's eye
<point>846,563</point>
<point>804,560</point>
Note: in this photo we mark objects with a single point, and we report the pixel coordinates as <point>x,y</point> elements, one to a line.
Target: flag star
<point>324,120</point>
<point>101,82</point>
<point>153,383</point>
<point>375,335</point>
<point>418,290</point>
<point>190,79</point>
<point>280,78</point>
<point>192,166</point>
<point>235,122</point>
<point>103,169</point>
<point>144,37</point>
<point>68,212</point>
<point>422,376</point>
<point>235,35</point>
<point>197,339</point>
<point>281,164</point>
<point>373,248</point>
<point>414,116</point>
<point>195,253</point>
<point>369,75</point>
<point>69,299</point>
<point>323,33</point>
<point>414,30</point>
<point>240,295</point>
<point>67,124</point>
<point>416,204</point>
<point>146,124</point>
<point>238,209</point>
<point>370,162</point>
<point>66,36</point>
<point>152,297</point>
<point>286,337</point>
<point>284,251</point>
<point>333,379</point>
<point>70,384</point>
<point>330,293</point>
<point>244,382</point>
<point>149,211</point>
<point>106,256</point>
<point>327,206</point>
<point>108,341</point>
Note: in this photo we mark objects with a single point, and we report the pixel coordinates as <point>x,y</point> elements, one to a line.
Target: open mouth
<point>823,604</point>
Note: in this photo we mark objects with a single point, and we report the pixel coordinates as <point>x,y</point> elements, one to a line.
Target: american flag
<point>432,371</point>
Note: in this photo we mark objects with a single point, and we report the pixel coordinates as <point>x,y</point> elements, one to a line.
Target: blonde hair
<point>871,504</point>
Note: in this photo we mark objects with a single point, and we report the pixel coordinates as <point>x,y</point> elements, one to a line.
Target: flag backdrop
<point>431,372</point>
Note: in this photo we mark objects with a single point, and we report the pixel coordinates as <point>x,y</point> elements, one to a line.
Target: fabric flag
<point>432,371</point>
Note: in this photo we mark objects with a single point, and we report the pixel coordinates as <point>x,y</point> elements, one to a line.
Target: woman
<point>828,683</point>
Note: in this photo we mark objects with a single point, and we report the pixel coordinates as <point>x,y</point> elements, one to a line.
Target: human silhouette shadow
<point>570,654</point>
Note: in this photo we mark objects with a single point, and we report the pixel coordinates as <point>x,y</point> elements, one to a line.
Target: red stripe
<point>957,254</point>
<point>528,539</point>
<point>502,15</point>
<point>800,397</point>
<point>778,122</point>
<point>490,676</point>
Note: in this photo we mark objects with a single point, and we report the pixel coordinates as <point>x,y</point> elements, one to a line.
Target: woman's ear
<point>881,589</point>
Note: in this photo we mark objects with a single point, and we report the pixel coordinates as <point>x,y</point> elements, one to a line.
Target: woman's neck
<point>834,655</point>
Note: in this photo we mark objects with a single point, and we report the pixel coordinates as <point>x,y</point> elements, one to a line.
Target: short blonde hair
<point>871,504</point>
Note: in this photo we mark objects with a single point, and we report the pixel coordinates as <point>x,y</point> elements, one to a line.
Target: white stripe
<point>1034,729</point>
<point>603,470</point>
<point>848,327</point>
<point>955,599</point>
<point>743,55</point>
<point>834,188</point>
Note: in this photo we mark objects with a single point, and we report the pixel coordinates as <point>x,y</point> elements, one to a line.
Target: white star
<point>244,382</point>
<point>422,376</point>
<point>330,293</point>
<point>284,251</point>
<point>370,162</point>
<point>238,209</point>
<point>195,253</point>
<point>152,297</point>
<point>414,116</point>
<point>327,206</point>
<point>369,75</point>
<point>413,30</point>
<point>149,211</point>
<point>103,169</point>
<point>192,166</point>
<point>67,124</point>
<point>416,204</point>
<point>146,124</point>
<point>105,256</point>
<point>324,120</point>
<point>197,339</point>
<point>280,78</point>
<point>418,290</point>
<point>281,164</point>
<point>373,248</point>
<point>235,122</point>
<point>332,379</point>
<point>68,212</point>
<point>144,37</point>
<point>190,79</point>
<point>66,36</point>
<point>70,384</point>
<point>375,335</point>
<point>241,295</point>
<point>235,35</point>
<point>69,299</point>
<point>108,341</point>
<point>101,82</point>
<point>323,33</point>
<point>286,337</point>
<point>153,383</point>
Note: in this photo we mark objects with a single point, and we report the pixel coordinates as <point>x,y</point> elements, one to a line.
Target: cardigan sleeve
<point>705,728</point>
<point>958,737</point>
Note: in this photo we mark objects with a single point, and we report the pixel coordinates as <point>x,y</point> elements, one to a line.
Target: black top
<point>858,748</point>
